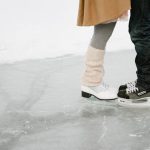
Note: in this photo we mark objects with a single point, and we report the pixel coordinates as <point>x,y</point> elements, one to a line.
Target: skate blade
<point>141,103</point>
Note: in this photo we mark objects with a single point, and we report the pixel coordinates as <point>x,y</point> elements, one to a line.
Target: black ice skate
<point>134,96</point>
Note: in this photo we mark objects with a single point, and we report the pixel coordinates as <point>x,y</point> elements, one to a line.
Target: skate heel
<point>86,95</point>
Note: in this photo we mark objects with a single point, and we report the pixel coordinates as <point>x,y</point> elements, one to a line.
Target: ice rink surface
<point>41,107</point>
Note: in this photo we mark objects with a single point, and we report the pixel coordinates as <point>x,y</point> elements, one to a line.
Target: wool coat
<point>92,12</point>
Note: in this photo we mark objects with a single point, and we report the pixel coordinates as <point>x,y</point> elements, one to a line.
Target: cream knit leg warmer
<point>94,71</point>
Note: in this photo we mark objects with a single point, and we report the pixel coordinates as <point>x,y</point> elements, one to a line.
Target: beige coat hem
<point>93,12</point>
<point>100,21</point>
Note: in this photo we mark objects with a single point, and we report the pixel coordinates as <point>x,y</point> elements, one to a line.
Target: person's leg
<point>93,73</point>
<point>139,29</point>
<point>102,33</point>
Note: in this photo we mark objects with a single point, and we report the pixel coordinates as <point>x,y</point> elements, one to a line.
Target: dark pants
<point>139,29</point>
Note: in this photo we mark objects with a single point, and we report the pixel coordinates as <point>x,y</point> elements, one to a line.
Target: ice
<point>41,107</point>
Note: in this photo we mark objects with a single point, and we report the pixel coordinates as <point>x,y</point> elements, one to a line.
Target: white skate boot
<point>102,92</point>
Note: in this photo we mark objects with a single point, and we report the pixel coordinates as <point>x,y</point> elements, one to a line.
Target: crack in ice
<point>104,130</point>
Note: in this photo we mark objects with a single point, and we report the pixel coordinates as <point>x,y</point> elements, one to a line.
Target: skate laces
<point>106,86</point>
<point>131,84</point>
<point>132,89</point>
<point>102,87</point>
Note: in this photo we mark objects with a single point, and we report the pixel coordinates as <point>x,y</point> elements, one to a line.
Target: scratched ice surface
<point>41,108</point>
